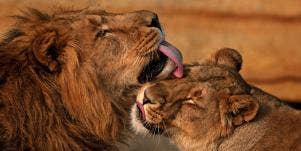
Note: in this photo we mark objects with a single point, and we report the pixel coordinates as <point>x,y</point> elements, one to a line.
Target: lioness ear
<point>228,57</point>
<point>46,50</point>
<point>243,107</point>
<point>237,109</point>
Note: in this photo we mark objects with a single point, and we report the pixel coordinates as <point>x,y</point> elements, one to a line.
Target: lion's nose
<point>146,100</point>
<point>154,95</point>
<point>155,22</point>
<point>150,19</point>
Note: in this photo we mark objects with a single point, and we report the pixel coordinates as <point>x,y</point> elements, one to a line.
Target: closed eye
<point>194,103</point>
<point>189,101</point>
<point>101,33</point>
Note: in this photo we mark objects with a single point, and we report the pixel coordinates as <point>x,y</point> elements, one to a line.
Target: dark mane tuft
<point>11,35</point>
<point>32,14</point>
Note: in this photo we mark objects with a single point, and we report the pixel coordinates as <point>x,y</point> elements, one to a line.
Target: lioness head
<point>80,66</point>
<point>206,104</point>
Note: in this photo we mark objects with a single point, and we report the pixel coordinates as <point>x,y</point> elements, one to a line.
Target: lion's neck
<point>213,142</point>
<point>204,142</point>
<point>245,137</point>
<point>185,144</point>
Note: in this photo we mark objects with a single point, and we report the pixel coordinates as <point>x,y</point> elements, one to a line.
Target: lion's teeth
<point>167,70</point>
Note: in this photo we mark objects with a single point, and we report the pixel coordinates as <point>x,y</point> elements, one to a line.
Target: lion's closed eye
<point>189,101</point>
<point>101,33</point>
<point>197,103</point>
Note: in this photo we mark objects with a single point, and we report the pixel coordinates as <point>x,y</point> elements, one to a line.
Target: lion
<point>214,108</point>
<point>68,77</point>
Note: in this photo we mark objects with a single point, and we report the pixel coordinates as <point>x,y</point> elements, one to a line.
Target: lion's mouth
<point>141,111</point>
<point>152,128</point>
<point>169,61</point>
<point>139,115</point>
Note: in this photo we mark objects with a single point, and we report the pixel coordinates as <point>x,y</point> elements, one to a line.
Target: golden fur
<point>67,77</point>
<point>213,108</point>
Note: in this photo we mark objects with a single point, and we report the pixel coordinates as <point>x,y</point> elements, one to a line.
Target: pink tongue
<point>140,106</point>
<point>174,55</point>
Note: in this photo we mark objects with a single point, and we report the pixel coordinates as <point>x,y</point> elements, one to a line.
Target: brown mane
<point>36,112</point>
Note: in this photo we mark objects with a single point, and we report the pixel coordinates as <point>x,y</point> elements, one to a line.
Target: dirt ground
<point>267,34</point>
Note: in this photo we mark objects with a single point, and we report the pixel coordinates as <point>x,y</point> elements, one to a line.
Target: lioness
<point>67,76</point>
<point>213,108</point>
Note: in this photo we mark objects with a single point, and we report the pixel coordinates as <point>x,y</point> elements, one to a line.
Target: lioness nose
<point>151,19</point>
<point>154,94</point>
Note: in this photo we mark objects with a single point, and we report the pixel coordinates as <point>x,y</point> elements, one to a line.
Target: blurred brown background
<point>267,33</point>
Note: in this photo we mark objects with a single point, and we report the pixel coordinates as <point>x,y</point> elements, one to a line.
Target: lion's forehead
<point>213,79</point>
<point>203,72</point>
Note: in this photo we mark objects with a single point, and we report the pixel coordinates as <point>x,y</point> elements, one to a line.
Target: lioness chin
<point>213,108</point>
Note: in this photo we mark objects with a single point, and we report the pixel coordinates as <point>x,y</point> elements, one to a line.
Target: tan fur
<point>67,77</point>
<point>213,108</point>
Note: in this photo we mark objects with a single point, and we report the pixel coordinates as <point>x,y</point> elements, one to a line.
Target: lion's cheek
<point>153,118</point>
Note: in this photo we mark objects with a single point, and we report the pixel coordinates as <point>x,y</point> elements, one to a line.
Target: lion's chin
<point>140,125</point>
<point>136,122</point>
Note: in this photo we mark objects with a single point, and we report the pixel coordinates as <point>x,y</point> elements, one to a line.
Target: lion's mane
<point>40,110</point>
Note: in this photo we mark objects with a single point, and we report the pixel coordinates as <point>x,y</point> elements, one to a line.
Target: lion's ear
<point>46,49</point>
<point>228,57</point>
<point>237,109</point>
<point>243,107</point>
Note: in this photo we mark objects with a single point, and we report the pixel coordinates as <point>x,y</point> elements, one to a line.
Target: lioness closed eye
<point>213,108</point>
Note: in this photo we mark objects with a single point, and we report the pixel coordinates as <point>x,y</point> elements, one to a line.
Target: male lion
<point>213,108</point>
<point>66,77</point>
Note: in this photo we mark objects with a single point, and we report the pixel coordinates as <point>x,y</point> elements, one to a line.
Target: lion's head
<point>65,77</point>
<point>203,106</point>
